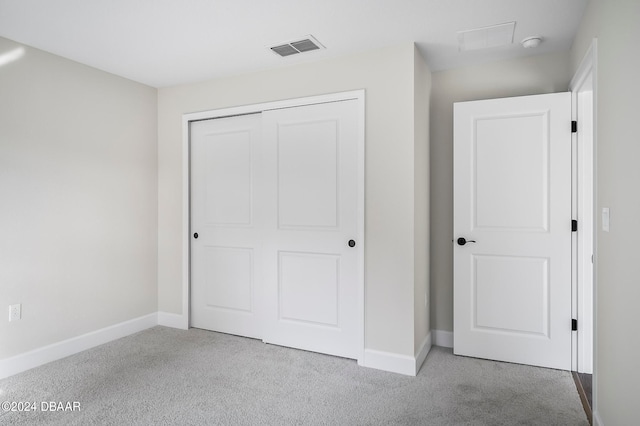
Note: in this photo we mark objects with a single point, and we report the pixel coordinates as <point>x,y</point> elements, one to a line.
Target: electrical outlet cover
<point>15,312</point>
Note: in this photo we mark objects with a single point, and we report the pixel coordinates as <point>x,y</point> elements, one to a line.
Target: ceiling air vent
<point>487,37</point>
<point>306,44</point>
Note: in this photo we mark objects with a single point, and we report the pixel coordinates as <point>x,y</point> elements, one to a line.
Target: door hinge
<point>574,127</point>
<point>574,325</point>
<point>574,225</point>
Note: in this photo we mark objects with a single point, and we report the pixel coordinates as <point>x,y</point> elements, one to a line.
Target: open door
<point>512,230</point>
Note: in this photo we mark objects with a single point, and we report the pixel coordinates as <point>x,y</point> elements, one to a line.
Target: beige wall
<point>78,178</point>
<point>422,94</point>
<point>587,30</point>
<point>616,25</point>
<point>525,76</point>
<point>388,77</point>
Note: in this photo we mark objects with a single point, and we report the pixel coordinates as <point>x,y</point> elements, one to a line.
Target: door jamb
<point>585,202</point>
<point>359,96</point>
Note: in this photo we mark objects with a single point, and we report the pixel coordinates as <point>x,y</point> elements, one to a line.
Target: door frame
<point>359,97</point>
<point>583,202</point>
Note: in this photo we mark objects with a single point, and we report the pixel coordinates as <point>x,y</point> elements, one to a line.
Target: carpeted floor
<point>164,376</point>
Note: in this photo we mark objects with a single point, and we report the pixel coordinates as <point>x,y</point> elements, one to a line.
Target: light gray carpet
<point>164,376</point>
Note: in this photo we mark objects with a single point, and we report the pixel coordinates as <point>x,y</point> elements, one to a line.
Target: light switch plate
<point>605,219</point>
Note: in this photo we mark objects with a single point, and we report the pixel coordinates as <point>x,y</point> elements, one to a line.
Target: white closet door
<point>311,190</point>
<point>226,236</point>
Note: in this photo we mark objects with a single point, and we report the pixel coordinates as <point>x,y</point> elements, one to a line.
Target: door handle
<point>195,235</point>
<point>462,241</point>
<point>351,243</point>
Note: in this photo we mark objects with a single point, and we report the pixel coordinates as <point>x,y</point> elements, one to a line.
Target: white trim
<point>65,348</point>
<point>589,66</point>
<point>422,353</point>
<point>596,377</point>
<point>396,363</point>
<point>584,110</point>
<point>267,106</point>
<point>574,235</point>
<point>387,361</point>
<point>597,421</point>
<point>583,91</point>
<point>168,319</point>
<point>186,218</point>
<point>442,338</point>
<point>359,96</point>
<point>361,218</point>
<point>586,66</point>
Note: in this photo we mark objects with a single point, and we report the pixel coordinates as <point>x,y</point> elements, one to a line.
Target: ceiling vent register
<point>487,37</point>
<point>307,44</point>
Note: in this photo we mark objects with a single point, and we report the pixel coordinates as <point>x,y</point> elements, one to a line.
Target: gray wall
<point>526,76</point>
<point>78,180</point>
<point>616,24</point>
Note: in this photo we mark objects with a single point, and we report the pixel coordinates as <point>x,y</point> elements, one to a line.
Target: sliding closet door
<point>226,232</point>
<point>275,247</point>
<point>310,246</point>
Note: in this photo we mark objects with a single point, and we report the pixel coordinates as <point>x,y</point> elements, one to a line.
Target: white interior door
<point>226,238</point>
<point>512,203</point>
<point>310,269</point>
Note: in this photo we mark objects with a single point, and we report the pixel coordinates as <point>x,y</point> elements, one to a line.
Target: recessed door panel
<point>520,285</point>
<point>228,183</point>
<point>308,174</point>
<point>229,278</point>
<point>512,162</point>
<point>309,288</point>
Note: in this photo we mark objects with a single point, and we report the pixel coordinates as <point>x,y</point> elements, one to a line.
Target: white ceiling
<point>169,42</point>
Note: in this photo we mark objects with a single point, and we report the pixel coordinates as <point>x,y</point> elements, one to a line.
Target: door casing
<point>359,97</point>
<point>583,87</point>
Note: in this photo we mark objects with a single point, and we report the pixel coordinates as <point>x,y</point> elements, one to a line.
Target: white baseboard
<point>442,338</point>
<point>173,320</point>
<point>55,351</point>
<point>422,353</point>
<point>597,421</point>
<point>396,363</point>
<point>387,361</point>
